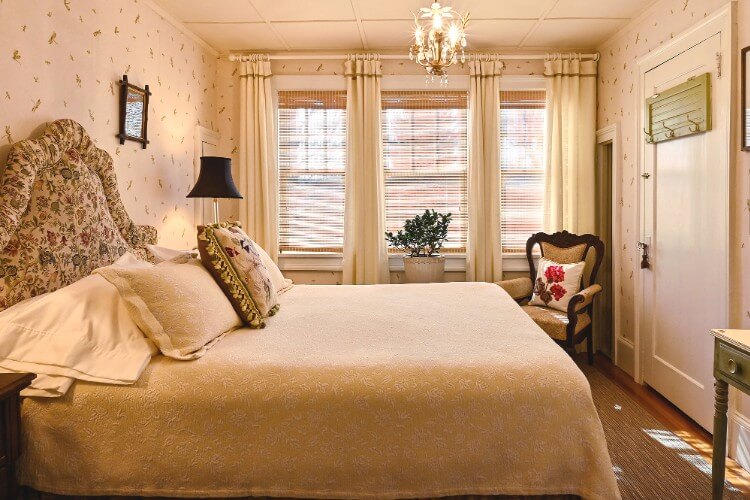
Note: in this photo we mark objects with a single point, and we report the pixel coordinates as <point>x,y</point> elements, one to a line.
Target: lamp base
<point>216,211</point>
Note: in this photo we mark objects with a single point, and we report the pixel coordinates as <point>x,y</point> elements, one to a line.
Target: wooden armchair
<point>575,326</point>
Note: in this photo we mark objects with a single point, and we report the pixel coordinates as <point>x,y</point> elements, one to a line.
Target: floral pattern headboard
<point>61,215</point>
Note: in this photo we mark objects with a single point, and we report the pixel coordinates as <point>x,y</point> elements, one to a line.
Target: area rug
<point>650,461</point>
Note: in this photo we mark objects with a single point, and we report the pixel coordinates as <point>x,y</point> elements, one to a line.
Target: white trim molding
<point>322,261</point>
<point>720,21</point>
<point>611,135</point>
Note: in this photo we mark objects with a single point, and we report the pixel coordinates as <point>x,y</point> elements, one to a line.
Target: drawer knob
<point>732,365</point>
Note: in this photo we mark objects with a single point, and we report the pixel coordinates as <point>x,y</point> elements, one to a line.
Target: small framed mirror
<point>133,112</point>
<point>745,91</point>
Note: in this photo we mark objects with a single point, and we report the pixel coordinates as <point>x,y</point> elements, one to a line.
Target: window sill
<point>454,262</point>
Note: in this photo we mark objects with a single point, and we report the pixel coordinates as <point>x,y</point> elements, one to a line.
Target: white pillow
<point>280,284</point>
<point>163,254</point>
<point>82,331</point>
<point>178,306</point>
<point>556,283</point>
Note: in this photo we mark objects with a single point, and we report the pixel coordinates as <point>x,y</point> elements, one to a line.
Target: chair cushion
<point>569,255</point>
<point>555,323</point>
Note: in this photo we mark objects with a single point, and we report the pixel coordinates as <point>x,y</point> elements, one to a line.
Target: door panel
<point>684,223</point>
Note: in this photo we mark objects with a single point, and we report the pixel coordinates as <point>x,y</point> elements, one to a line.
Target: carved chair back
<point>566,248</point>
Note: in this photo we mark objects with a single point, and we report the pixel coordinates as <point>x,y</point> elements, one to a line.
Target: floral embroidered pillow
<point>230,255</point>
<point>556,283</point>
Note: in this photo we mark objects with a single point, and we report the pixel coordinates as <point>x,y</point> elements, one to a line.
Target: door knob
<point>644,255</point>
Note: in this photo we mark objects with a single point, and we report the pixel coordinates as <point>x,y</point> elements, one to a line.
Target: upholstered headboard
<point>61,215</point>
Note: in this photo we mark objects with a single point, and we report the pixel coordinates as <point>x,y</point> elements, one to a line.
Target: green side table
<point>731,367</point>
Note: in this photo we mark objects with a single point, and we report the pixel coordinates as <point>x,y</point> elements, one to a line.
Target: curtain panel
<point>258,171</point>
<point>569,199</point>
<point>484,260</point>
<point>365,249</point>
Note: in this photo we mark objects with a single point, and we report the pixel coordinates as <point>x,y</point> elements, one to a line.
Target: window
<point>312,164</point>
<point>522,131</point>
<point>425,149</point>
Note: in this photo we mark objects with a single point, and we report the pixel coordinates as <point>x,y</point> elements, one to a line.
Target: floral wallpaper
<point>618,73</point>
<point>63,59</point>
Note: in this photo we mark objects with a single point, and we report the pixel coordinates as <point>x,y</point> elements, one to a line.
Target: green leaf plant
<point>422,236</point>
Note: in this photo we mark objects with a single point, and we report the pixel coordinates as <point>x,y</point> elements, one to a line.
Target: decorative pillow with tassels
<point>230,256</point>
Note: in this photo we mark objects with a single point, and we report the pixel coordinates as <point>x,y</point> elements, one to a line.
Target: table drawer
<point>734,364</point>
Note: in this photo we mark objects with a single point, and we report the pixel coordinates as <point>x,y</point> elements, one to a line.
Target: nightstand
<point>10,404</point>
<point>731,367</point>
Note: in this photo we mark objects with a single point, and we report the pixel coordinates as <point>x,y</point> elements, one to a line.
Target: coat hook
<point>670,131</point>
<point>649,137</point>
<point>694,125</point>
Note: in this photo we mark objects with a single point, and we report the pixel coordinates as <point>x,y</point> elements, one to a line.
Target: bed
<point>386,391</point>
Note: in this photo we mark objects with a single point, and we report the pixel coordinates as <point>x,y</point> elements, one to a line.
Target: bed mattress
<point>383,391</point>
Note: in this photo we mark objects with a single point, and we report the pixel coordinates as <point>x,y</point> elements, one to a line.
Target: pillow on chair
<point>556,283</point>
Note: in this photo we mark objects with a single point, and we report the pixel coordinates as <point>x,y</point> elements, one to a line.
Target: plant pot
<point>424,269</point>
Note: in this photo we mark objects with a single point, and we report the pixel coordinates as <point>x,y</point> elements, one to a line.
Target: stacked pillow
<point>177,306</point>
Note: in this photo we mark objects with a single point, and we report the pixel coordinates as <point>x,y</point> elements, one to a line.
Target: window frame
<point>333,262</point>
<point>280,83</point>
<point>445,250</point>
<point>510,83</point>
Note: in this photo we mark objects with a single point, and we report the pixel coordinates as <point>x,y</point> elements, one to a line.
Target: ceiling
<point>278,25</point>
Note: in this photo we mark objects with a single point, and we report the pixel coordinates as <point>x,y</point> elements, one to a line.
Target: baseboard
<point>626,356</point>
<point>739,439</point>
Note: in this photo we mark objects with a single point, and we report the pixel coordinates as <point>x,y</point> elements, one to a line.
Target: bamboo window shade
<point>312,166</point>
<point>522,132</point>
<point>425,158</point>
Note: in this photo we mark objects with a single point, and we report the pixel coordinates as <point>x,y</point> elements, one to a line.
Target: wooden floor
<point>672,418</point>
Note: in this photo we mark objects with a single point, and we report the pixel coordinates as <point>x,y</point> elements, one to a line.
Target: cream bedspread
<point>367,391</point>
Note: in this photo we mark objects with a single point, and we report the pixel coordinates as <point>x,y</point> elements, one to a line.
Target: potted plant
<point>421,240</point>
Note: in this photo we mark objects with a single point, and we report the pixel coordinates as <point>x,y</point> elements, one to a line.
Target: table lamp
<point>215,181</point>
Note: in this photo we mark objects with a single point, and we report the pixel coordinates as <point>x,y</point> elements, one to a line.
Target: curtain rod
<point>343,57</point>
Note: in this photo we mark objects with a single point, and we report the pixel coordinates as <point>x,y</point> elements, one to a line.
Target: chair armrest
<point>518,289</point>
<point>582,299</point>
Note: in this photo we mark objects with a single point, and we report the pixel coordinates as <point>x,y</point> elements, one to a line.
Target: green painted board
<point>679,111</point>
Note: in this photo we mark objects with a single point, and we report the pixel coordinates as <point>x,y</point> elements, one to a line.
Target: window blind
<point>522,131</point>
<point>425,158</point>
<point>312,165</point>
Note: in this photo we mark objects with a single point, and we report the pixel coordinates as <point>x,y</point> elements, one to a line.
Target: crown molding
<point>180,26</point>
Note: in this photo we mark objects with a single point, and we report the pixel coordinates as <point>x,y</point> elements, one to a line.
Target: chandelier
<point>439,36</point>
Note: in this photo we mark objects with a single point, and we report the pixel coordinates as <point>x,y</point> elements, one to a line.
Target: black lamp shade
<point>215,179</point>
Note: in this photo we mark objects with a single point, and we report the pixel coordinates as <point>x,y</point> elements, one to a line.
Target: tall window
<point>522,130</point>
<point>312,165</point>
<point>425,141</point>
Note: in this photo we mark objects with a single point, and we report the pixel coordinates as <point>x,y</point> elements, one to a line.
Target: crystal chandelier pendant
<point>439,37</point>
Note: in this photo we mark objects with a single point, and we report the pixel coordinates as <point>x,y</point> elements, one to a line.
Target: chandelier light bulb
<point>437,22</point>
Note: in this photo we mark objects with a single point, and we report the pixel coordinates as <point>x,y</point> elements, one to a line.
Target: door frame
<point>202,134</point>
<point>721,21</point>
<point>611,135</point>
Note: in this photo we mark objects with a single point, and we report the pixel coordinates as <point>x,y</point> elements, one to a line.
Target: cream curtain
<point>258,171</point>
<point>569,200</point>
<point>484,253</point>
<point>365,250</point>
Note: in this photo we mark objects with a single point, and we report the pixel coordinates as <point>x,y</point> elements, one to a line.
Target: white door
<point>684,223</point>
<point>206,144</point>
